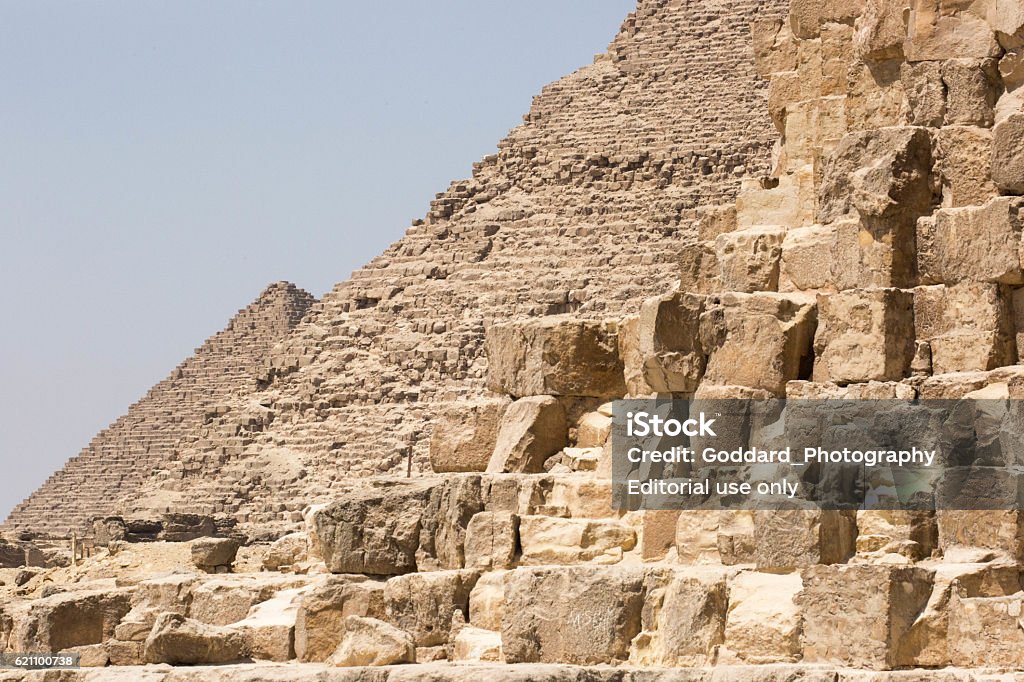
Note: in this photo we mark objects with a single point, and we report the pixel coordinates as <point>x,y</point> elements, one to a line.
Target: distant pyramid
<point>124,454</point>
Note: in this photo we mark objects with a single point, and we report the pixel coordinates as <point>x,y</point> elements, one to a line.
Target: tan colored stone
<point>979,243</point>
<point>69,619</point>
<point>774,47</point>
<point>553,540</point>
<point>860,615</point>
<point>491,540</point>
<point>658,533</point>
<point>789,203</point>
<point>422,604</point>
<point>464,436</point>
<point>791,539</point>
<point>756,340</point>
<point>986,631</point>
<point>881,30</point>
<point>532,429</point>
<point>864,335</point>
<point>749,259</point>
<point>926,93</point>
<point>972,87</point>
<point>895,531</point>
<point>763,623</point>
<point>807,259</point>
<point>210,554</point>
<point>285,552</point>
<point>961,153</point>
<point>473,645</point>
<point>554,356</point>
<point>371,642</point>
<point>968,326</point>
<point>269,629</point>
<point>593,430</point>
<point>669,343</point>
<point>940,29</point>
<point>683,619</point>
<point>178,640</point>
<point>1008,154</point>
<point>487,601</point>
<point>970,534</point>
<point>319,622</point>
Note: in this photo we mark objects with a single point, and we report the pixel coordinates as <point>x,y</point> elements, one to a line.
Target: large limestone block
<point>69,619</point>
<point>1008,154</point>
<point>791,539</point>
<point>632,358</point>
<point>214,554</point>
<point>774,47</point>
<point>473,645</point>
<point>531,430</point>
<point>554,540</point>
<point>491,540</point>
<point>962,154</point>
<point>749,259</point>
<point>487,601</point>
<point>593,430</point>
<point>943,29</point>
<point>658,533</point>
<point>860,615</point>
<point>968,326</point>
<point>285,552</point>
<point>178,640</point>
<point>1004,16</point>
<point>390,527</point>
<point>668,338</point>
<point>422,604</point>
<point>756,340</point>
<point>580,615</point>
<point>926,93</point>
<point>864,335</point>
<point>555,356</point>
<point>224,600</point>
<point>875,96</point>
<point>683,619</point>
<point>807,255</point>
<point>269,629</point>
<point>979,243</point>
<point>986,631</point>
<point>881,30</point>
<point>913,534</point>
<point>789,203</point>
<point>884,175</point>
<point>763,623</point>
<point>970,535</point>
<point>371,642</point>
<point>715,537</point>
<point>464,436</point>
<point>972,87</point>
<point>319,622</point>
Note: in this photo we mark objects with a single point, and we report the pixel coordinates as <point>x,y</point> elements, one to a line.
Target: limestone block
<point>582,615</point>
<point>285,552</point>
<point>864,335</point>
<point>658,533</point>
<point>531,430</point>
<point>69,619</point>
<point>632,359</point>
<point>749,259</point>
<point>269,629</point>
<point>976,534</point>
<point>715,537</point>
<point>178,640</point>
<point>699,270</point>
<point>593,430</point>
<point>371,642</point>
<point>836,57</point>
<point>789,203</point>
<point>884,175</point>
<point>980,244</point>
<point>1004,16</point>
<point>756,340</point>
<point>789,539</point>
<point>875,96</point>
<point>683,619</point>
<point>881,30</point>
<point>986,631</point>
<point>937,30</point>
<point>464,435</point>
<point>774,47</point>
<point>968,326</point>
<point>962,154</point>
<point>807,259</point>
<point>322,612</point>
<point>555,356</point>
<point>860,615</point>
<point>491,540</point>
<point>474,645</point>
<point>210,554</point>
<point>1008,154</point>
<point>895,531</point>
<point>487,601</point>
<point>716,220</point>
<point>422,604</point>
<point>669,343</point>
<point>224,600</point>
<point>926,93</point>
<point>553,540</point>
<point>763,623</point>
<point>972,87</point>
<point>930,641</point>
<point>1017,310</point>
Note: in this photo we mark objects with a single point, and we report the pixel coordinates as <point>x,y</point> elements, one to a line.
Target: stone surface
<point>792,539</point>
<point>491,540</point>
<point>321,615</point>
<point>979,243</point>
<point>668,354</point>
<point>763,624</point>
<point>552,540</point>
<point>531,430</point>
<point>212,553</point>
<point>1007,157</point>
<point>368,641</point>
<point>179,640</point>
<point>422,604</point>
<point>464,437</point>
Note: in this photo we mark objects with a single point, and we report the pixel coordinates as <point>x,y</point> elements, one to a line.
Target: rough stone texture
<point>62,621</point>
<point>1008,154</point>
<point>179,640</point>
<point>864,335</point>
<point>464,436</point>
<point>210,554</point>
<point>554,356</point>
<point>979,243</point>
<point>551,540</point>
<point>968,326</point>
<point>531,430</point>
<point>792,539</point>
<point>422,604</point>
<point>368,641</point>
<point>763,624</point>
<point>319,622</point>
<point>491,540</point>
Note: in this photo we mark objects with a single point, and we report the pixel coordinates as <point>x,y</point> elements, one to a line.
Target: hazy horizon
<point>164,163</point>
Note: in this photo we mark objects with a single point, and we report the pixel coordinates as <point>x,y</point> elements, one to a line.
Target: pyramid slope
<point>124,454</point>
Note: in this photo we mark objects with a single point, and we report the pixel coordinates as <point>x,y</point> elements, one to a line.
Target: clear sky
<point>161,162</point>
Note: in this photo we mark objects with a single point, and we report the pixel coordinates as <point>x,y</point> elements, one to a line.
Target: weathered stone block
<point>763,623</point>
<point>790,539</point>
<point>668,337</point>
<point>683,619</point>
<point>69,619</point>
<point>860,615</point>
<point>926,93</point>
<point>491,540</point>
<point>553,540</point>
<point>881,30</point>
<point>972,87</point>
<point>422,604</point>
<point>210,554</point>
<point>473,645</point>
<point>749,259</point>
<point>371,642</point>
<point>986,631</point>
<point>756,340</point>
<point>961,162</point>
<point>464,436</point>
<point>178,640</point>
<point>555,356</point>
<point>578,615</point>
<point>968,326</point>
<point>593,430</point>
<point>864,335</point>
<point>971,535</point>
<point>658,533</point>
<point>487,601</point>
<point>1008,154</point>
<point>980,244</point>
<point>944,29</point>
<point>320,620</point>
<point>807,255</point>
<point>531,430</point>
<point>774,47</point>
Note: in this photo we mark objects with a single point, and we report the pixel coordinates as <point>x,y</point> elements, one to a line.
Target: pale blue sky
<point>163,161</point>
